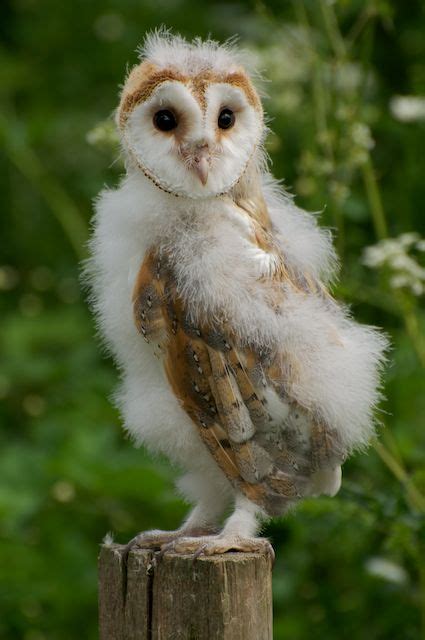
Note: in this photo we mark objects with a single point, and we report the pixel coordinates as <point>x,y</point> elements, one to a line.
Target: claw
<point>165,547</point>
<point>158,540</point>
<point>211,545</point>
<point>128,547</point>
<point>196,546</point>
<point>271,553</point>
<point>199,552</point>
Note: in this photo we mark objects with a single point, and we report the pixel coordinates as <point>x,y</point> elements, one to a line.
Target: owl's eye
<point>226,119</point>
<point>165,120</point>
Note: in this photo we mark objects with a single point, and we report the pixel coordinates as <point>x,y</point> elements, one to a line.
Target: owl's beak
<point>201,163</point>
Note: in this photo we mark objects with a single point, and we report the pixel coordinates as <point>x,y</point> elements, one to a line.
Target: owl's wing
<point>221,386</point>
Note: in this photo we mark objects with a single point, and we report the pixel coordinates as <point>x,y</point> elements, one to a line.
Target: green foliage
<point>348,123</point>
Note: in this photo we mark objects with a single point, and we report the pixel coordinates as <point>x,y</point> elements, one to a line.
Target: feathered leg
<point>204,519</point>
<point>156,538</point>
<point>238,534</point>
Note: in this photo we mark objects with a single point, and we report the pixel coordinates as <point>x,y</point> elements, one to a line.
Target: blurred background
<point>347,108</point>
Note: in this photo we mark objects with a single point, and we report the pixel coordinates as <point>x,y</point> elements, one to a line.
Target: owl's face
<point>193,135</point>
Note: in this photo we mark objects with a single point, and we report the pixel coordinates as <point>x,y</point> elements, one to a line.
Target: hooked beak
<point>201,163</point>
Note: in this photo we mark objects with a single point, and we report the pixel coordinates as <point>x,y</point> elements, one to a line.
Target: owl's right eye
<point>165,120</point>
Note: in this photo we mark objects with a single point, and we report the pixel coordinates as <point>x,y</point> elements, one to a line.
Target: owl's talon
<point>199,552</point>
<point>271,554</point>
<point>129,547</point>
<point>157,540</point>
<point>169,546</point>
<point>218,544</point>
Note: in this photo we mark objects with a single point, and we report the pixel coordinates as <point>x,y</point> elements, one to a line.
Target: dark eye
<point>226,119</point>
<point>165,120</point>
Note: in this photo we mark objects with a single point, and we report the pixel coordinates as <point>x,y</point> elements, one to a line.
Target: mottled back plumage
<point>220,384</point>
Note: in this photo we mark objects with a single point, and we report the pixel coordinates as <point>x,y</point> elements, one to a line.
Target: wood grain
<point>225,597</point>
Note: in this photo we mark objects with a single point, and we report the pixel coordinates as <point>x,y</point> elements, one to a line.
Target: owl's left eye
<point>226,119</point>
<point>165,120</point>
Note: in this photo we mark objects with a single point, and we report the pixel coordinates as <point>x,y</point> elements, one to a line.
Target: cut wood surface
<point>225,597</point>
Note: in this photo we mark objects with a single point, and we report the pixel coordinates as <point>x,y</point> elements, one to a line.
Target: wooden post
<point>226,597</point>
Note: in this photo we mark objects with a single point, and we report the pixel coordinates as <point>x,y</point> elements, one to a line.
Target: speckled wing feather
<point>221,386</point>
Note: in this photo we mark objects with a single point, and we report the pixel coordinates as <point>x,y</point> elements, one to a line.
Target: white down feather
<point>337,360</point>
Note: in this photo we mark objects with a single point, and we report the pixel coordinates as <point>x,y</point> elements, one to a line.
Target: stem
<point>321,121</point>
<point>331,26</point>
<point>412,327</point>
<point>374,297</point>
<point>375,201</point>
<point>410,319</point>
<point>413,495</point>
<point>359,25</point>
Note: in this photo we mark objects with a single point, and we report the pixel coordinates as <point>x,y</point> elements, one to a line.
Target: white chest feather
<point>219,269</point>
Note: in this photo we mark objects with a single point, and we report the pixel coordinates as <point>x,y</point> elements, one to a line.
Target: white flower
<point>339,190</point>
<point>387,570</point>
<point>286,56</point>
<point>408,108</point>
<point>361,135</point>
<point>392,253</point>
<point>346,77</point>
<point>409,239</point>
<point>103,135</point>
<point>399,281</point>
<point>63,491</point>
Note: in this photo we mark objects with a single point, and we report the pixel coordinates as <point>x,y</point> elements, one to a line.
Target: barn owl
<point>211,289</point>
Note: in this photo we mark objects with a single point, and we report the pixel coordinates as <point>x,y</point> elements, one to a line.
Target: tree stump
<point>225,597</point>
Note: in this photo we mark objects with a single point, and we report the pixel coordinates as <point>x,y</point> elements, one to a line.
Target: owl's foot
<point>217,544</point>
<point>157,539</point>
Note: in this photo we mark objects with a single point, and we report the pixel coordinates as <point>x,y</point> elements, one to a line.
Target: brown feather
<point>220,383</point>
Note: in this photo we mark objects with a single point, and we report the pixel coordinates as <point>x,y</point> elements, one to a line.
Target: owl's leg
<point>238,534</point>
<point>211,501</point>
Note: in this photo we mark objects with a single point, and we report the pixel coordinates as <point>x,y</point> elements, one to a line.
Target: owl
<point>211,290</point>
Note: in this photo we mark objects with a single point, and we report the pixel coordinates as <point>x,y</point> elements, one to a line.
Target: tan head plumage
<point>212,118</point>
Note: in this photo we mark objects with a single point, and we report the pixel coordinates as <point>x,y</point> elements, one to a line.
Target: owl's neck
<point>250,180</point>
<point>247,194</point>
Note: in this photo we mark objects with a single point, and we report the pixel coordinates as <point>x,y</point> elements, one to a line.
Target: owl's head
<point>190,117</point>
